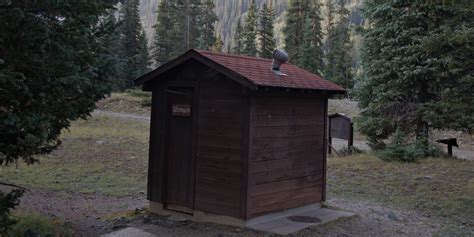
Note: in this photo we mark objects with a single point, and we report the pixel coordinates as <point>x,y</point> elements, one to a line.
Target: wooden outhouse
<point>231,138</point>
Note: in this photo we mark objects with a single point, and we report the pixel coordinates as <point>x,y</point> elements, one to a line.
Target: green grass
<point>32,224</point>
<point>101,155</point>
<point>436,187</point>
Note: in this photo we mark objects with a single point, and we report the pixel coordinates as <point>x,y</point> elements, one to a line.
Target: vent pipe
<point>279,57</point>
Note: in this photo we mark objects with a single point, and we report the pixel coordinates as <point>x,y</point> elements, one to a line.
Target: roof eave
<point>193,54</point>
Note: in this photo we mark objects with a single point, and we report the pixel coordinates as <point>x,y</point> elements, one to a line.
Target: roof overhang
<point>192,54</point>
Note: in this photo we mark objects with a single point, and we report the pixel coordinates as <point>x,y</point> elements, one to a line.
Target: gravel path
<point>370,220</point>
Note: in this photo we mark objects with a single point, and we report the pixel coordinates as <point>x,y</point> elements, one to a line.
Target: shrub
<point>31,224</point>
<point>400,150</point>
<point>7,203</point>
<point>146,102</point>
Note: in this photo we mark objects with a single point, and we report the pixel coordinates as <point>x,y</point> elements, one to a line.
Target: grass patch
<point>101,155</point>
<point>32,224</point>
<point>131,101</point>
<point>437,187</point>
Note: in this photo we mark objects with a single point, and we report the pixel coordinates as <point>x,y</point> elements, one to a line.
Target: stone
<point>391,216</point>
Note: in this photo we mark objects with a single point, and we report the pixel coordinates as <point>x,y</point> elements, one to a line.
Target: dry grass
<point>435,187</point>
<point>102,155</point>
<point>134,101</point>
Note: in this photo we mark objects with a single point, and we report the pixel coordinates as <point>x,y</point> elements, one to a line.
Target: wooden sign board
<point>182,110</point>
<point>340,126</point>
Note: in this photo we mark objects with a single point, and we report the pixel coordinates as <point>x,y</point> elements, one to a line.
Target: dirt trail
<point>85,212</point>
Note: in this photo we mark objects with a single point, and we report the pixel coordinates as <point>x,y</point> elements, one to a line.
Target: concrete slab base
<point>279,223</point>
<point>197,216</point>
<point>129,232</point>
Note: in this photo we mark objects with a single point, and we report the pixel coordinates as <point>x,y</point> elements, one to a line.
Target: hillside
<point>229,12</point>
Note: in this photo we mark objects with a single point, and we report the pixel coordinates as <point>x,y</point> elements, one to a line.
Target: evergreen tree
<point>113,50</point>
<point>166,39</point>
<point>293,30</point>
<point>330,14</point>
<point>131,33</point>
<point>52,72</point>
<point>207,25</point>
<point>218,44</point>
<point>417,66</point>
<point>249,34</point>
<point>308,51</point>
<point>310,54</point>
<point>143,55</point>
<point>300,15</point>
<point>181,25</point>
<point>187,14</point>
<point>238,39</point>
<point>265,31</point>
<point>338,56</point>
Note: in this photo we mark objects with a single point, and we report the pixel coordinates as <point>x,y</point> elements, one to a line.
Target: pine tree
<point>131,33</point>
<point>338,56</point>
<point>330,12</point>
<point>310,53</point>
<point>218,44</point>
<point>417,68</point>
<point>265,31</point>
<point>207,25</point>
<point>300,15</point>
<point>52,72</point>
<point>293,30</point>
<point>143,55</point>
<point>238,39</point>
<point>113,50</point>
<point>181,25</point>
<point>165,37</point>
<point>249,46</point>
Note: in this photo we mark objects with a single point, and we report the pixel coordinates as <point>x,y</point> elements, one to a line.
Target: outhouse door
<point>179,194</point>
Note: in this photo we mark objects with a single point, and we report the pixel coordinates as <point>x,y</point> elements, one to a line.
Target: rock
<point>391,216</point>
<point>100,142</point>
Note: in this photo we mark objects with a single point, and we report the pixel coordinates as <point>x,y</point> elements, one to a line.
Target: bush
<point>7,203</point>
<point>400,150</point>
<point>31,224</point>
<point>146,102</point>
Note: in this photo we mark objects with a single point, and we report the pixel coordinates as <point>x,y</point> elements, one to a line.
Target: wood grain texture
<point>286,153</point>
<point>220,148</point>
